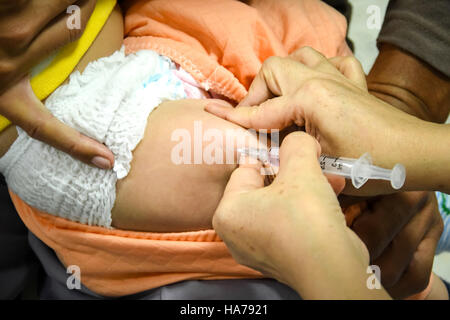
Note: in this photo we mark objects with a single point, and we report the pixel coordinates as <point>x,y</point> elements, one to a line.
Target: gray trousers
<point>54,285</point>
<point>18,264</point>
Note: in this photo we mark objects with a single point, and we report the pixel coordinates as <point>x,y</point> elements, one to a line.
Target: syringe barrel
<point>357,170</point>
<point>338,166</point>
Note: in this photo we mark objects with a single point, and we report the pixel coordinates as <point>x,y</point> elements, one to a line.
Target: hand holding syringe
<point>358,170</point>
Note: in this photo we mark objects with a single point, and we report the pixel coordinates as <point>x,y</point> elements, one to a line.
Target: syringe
<point>358,170</point>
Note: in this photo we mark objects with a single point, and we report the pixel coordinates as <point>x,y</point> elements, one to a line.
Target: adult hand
<point>29,31</point>
<point>330,100</point>
<point>294,230</point>
<point>401,232</point>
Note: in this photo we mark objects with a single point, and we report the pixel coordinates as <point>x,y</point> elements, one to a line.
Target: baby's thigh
<point>163,195</point>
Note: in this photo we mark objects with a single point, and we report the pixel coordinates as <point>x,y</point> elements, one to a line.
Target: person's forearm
<point>428,159</point>
<point>422,147</point>
<point>410,84</point>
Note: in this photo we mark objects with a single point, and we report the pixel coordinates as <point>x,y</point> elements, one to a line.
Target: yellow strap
<point>45,82</point>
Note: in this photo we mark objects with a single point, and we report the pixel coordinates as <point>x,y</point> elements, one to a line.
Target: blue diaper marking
<point>153,78</point>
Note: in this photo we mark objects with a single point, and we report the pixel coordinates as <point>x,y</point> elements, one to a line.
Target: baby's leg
<point>160,195</point>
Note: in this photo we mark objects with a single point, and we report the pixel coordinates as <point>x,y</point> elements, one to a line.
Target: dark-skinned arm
<point>410,84</point>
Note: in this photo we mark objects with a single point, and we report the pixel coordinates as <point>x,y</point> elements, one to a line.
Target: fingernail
<point>101,162</point>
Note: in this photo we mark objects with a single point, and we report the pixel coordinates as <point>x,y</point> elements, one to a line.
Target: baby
<point>137,103</point>
<point>149,190</point>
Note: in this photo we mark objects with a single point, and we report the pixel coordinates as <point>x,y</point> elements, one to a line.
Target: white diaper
<point>109,102</point>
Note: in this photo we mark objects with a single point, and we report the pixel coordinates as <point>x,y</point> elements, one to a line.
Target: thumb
<point>299,154</point>
<point>20,105</point>
<point>246,177</point>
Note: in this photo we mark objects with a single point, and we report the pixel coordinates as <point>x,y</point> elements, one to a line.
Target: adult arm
<point>29,31</point>
<point>345,118</point>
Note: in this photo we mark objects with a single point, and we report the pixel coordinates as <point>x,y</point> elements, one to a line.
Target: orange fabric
<point>222,43</point>
<point>118,262</point>
<point>353,212</point>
